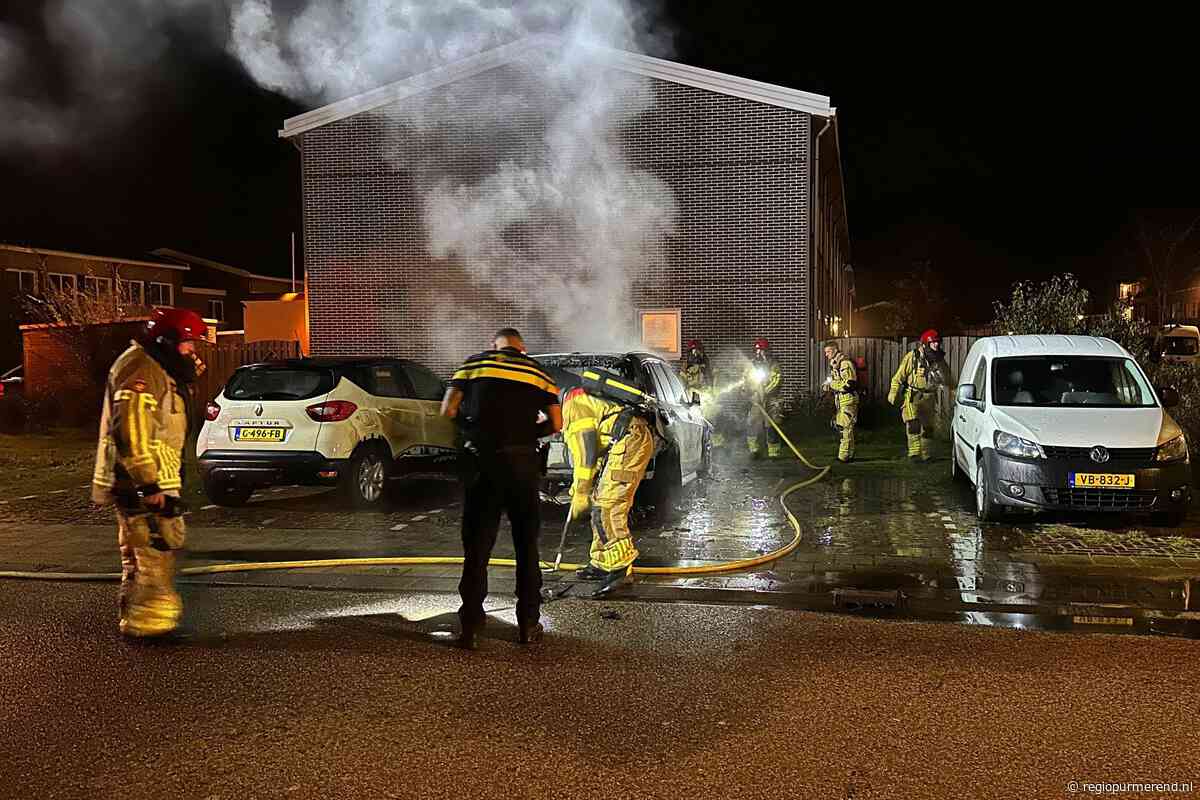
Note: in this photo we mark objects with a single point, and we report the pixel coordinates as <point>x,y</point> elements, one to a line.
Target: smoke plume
<point>557,230</point>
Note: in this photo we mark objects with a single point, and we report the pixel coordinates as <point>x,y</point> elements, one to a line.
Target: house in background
<point>760,246</point>
<point>29,272</point>
<point>217,291</point>
<point>1183,304</point>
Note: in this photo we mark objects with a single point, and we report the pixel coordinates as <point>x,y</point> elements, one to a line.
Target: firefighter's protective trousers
<point>912,385</point>
<point>148,603</point>
<point>143,426</point>
<point>764,378</point>
<point>608,467</point>
<point>843,382</point>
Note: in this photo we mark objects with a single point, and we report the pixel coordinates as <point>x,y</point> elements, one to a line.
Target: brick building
<point>760,246</point>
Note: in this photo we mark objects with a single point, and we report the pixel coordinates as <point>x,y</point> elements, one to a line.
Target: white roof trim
<point>199,290</point>
<point>719,82</point>
<point>167,252</point>
<point>41,251</point>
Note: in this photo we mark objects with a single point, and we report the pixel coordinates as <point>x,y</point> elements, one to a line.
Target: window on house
<point>24,281</point>
<point>133,292</point>
<point>160,294</point>
<point>59,282</point>
<point>216,310</point>
<point>97,287</point>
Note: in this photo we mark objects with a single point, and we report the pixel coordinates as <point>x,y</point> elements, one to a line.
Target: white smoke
<point>557,235</point>
<point>107,52</point>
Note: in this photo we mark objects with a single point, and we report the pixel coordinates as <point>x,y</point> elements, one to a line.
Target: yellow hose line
<point>783,435</point>
<point>409,561</point>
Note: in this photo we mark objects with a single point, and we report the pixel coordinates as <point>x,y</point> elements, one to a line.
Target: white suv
<point>1067,423</point>
<point>354,423</point>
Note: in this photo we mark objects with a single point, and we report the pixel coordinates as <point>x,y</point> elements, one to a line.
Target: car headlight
<point>1017,447</point>
<point>1174,450</point>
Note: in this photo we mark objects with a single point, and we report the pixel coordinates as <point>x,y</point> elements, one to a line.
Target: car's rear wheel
<point>705,455</point>
<point>664,488</point>
<point>366,479</point>
<point>227,491</point>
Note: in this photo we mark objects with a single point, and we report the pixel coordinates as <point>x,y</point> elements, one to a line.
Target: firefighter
<point>843,382</point>
<point>763,378</point>
<point>696,374</point>
<point>139,458</point>
<point>607,428</point>
<point>915,386</point>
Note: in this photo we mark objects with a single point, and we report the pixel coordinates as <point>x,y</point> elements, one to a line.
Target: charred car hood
<point>1086,427</point>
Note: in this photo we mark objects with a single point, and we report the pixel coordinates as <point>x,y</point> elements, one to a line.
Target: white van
<point>1181,344</point>
<point>1067,423</point>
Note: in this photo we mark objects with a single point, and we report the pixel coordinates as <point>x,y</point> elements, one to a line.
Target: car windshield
<point>1181,346</point>
<point>278,383</point>
<point>574,364</point>
<point>1070,381</point>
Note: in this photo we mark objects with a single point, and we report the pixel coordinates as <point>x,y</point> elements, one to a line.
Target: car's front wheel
<point>367,476</point>
<point>985,507</point>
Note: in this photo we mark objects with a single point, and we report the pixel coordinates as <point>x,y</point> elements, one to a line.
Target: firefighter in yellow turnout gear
<point>697,376</point>
<point>843,382</point>
<point>611,442</point>
<point>915,387</point>
<point>139,457</point>
<point>763,379</point>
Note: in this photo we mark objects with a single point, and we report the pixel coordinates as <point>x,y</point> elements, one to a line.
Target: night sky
<point>996,149</point>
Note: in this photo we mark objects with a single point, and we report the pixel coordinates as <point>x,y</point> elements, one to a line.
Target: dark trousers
<point>507,481</point>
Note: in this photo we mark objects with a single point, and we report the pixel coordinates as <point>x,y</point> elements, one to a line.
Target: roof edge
<point>648,66</point>
<point>167,252</point>
<point>16,248</point>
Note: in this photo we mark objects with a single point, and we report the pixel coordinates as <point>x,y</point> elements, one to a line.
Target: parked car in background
<point>1067,423</point>
<point>350,422</point>
<point>12,383</point>
<point>687,451</point>
<point>1181,344</point>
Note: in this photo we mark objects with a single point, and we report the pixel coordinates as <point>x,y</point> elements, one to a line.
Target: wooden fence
<point>222,359</point>
<point>883,359</point>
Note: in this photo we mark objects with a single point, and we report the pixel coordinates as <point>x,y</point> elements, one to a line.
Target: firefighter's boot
<point>752,445</point>
<point>154,608</point>
<point>718,439</point>
<point>591,573</point>
<point>612,580</point>
<point>774,450</point>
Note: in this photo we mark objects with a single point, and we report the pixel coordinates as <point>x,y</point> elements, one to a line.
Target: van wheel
<point>985,508</point>
<point>956,474</point>
<point>226,492</point>
<point>366,479</point>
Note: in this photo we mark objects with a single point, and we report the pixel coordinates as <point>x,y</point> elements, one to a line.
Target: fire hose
<point>408,561</point>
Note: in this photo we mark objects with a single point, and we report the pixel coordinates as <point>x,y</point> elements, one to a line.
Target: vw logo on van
<point>1100,454</point>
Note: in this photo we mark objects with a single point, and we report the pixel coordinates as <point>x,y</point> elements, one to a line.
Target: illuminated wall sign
<point>661,331</point>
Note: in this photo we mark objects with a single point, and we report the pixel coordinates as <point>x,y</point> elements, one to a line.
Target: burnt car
<point>686,451</point>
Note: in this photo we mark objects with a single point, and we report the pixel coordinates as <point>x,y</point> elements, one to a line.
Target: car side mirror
<point>695,398</point>
<point>1169,396</point>
<point>966,396</point>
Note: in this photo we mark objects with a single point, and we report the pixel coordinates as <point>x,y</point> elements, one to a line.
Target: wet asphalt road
<point>892,528</point>
<point>311,694</point>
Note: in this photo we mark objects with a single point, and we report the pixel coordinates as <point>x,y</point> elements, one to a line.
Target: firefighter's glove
<point>892,398</point>
<point>580,504</point>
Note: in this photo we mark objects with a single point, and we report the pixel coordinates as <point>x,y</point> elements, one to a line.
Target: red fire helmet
<point>930,336</point>
<point>176,325</point>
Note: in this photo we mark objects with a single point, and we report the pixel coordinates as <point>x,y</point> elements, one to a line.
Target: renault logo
<point>1100,454</point>
<point>258,413</point>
